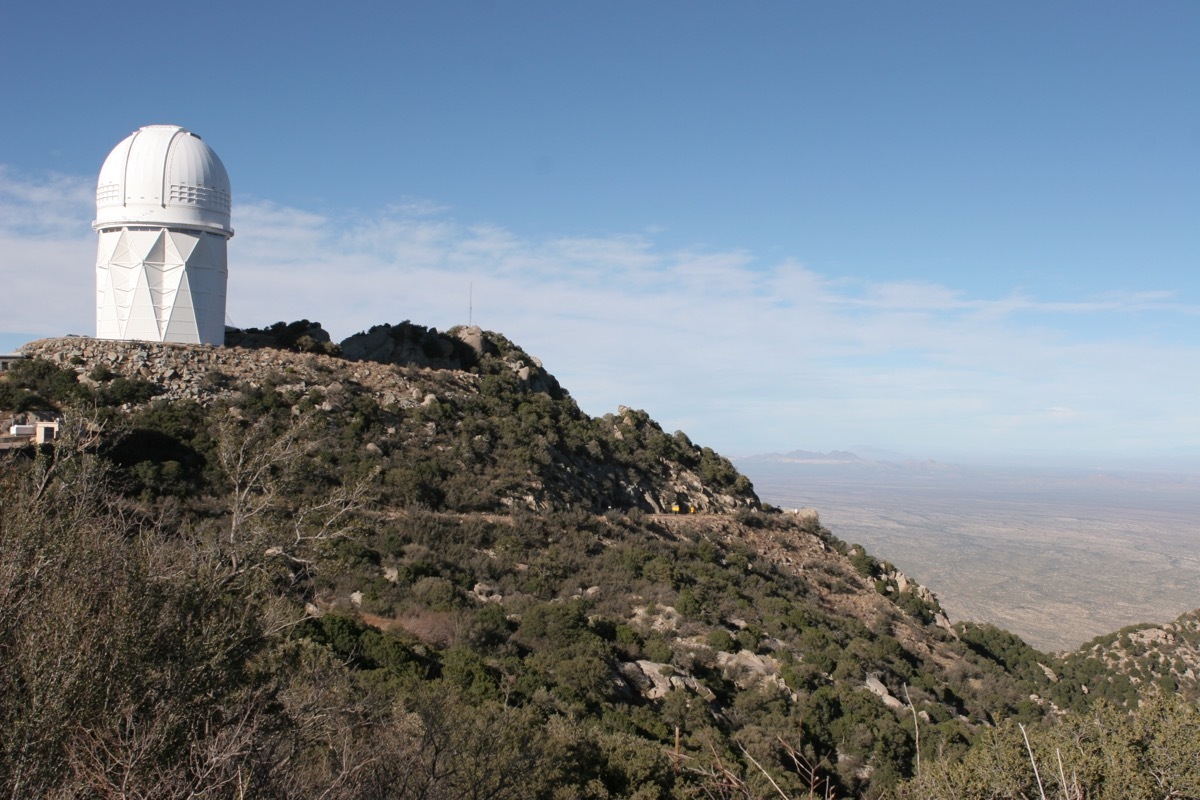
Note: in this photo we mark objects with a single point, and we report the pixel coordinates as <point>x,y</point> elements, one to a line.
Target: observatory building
<point>162,213</point>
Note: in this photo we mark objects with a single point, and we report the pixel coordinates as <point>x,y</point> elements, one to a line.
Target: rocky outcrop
<point>476,340</point>
<point>301,336</point>
<point>654,681</point>
<point>460,348</point>
<point>903,584</point>
<point>409,344</point>
<point>747,670</point>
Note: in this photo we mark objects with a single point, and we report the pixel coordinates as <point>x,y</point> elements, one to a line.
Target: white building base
<point>161,285</point>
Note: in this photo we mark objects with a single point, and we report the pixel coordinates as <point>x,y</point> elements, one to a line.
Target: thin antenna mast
<point>471,304</point>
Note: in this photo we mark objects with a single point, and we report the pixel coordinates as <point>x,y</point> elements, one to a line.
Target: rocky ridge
<point>204,374</point>
<point>450,375</point>
<point>1155,658</point>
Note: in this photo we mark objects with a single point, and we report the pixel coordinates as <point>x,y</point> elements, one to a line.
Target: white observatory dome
<point>163,175</point>
<point>162,216</point>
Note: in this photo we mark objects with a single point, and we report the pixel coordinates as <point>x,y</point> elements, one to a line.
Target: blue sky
<point>958,230</point>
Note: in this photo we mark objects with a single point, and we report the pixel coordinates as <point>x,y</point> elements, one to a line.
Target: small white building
<point>45,432</point>
<point>163,217</point>
<point>40,432</point>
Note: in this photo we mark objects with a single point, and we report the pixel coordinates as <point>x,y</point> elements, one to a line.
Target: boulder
<point>876,687</point>
<point>654,680</point>
<point>747,669</point>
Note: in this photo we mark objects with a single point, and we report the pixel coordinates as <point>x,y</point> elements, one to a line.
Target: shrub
<point>720,639</point>
<point>865,565</point>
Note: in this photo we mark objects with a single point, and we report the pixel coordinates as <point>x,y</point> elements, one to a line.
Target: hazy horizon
<point>1183,460</point>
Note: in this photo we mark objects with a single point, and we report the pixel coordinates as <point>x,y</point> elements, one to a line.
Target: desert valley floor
<point>1057,558</point>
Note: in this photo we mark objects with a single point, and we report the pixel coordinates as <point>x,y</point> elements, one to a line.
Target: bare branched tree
<point>262,468</point>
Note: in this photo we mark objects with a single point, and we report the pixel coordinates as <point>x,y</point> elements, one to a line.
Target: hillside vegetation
<point>408,565</point>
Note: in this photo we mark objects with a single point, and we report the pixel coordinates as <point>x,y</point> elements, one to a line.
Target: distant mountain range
<point>806,457</point>
<point>864,459</point>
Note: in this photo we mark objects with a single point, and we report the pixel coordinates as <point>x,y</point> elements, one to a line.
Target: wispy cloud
<point>44,206</point>
<point>746,353</point>
<point>46,246</point>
